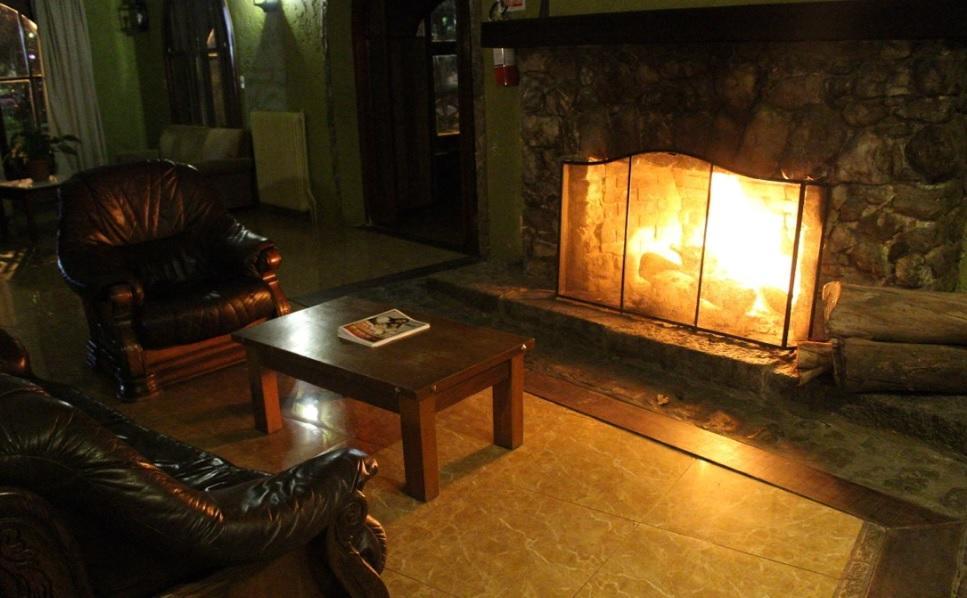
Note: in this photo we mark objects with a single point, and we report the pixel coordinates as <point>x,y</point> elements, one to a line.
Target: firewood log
<point>813,359</point>
<point>898,315</point>
<point>871,366</point>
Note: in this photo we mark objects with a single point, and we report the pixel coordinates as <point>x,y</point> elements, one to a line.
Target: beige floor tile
<point>401,586</point>
<point>738,512</point>
<point>653,562</point>
<point>480,540</point>
<point>575,458</point>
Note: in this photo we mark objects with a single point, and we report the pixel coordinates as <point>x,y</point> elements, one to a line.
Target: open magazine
<point>380,329</point>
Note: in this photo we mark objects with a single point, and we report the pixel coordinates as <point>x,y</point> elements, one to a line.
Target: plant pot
<point>38,170</point>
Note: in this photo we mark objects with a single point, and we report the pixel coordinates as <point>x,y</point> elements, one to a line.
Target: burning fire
<point>748,243</point>
<point>673,237</point>
<point>746,237</point>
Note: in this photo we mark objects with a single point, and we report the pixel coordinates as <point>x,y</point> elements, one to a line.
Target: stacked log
<point>890,340</point>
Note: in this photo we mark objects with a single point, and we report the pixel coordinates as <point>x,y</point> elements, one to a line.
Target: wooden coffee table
<point>416,376</point>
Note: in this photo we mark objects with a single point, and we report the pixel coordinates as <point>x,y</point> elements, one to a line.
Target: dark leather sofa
<point>165,273</point>
<point>91,503</point>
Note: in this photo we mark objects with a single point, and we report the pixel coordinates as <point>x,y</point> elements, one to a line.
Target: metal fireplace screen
<point>673,237</point>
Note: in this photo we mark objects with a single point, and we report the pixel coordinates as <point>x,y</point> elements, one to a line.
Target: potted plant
<point>32,152</point>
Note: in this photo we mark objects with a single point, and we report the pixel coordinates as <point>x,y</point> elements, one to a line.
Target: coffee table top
<point>418,365</point>
<point>30,184</point>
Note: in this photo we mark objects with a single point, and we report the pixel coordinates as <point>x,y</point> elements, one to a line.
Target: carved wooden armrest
<point>355,550</point>
<point>269,262</point>
<point>38,556</point>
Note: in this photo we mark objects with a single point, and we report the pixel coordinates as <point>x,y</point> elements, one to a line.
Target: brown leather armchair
<point>91,503</point>
<point>166,274</point>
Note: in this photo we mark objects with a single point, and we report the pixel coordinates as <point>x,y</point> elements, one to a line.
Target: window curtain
<point>69,72</point>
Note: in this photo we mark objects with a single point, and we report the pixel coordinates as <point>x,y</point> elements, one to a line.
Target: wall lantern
<point>268,5</point>
<point>134,16</point>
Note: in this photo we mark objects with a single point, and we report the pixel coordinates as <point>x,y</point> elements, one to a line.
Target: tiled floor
<point>581,509</point>
<point>585,509</point>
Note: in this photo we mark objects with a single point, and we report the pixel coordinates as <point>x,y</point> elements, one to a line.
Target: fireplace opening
<point>677,238</point>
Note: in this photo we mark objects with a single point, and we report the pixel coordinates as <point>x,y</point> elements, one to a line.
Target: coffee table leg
<point>3,220</point>
<point>509,406</point>
<point>418,422</point>
<point>29,214</point>
<point>264,383</point>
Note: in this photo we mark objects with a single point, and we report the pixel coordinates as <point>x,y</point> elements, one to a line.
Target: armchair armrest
<point>97,272</point>
<point>241,250</point>
<point>249,254</point>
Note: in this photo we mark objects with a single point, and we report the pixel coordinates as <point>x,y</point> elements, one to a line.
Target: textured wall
<point>116,78</point>
<point>883,123</point>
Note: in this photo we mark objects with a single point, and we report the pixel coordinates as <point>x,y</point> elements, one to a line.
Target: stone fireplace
<point>881,124</point>
<point>674,237</point>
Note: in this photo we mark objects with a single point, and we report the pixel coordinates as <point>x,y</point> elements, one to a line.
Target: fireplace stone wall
<point>883,123</point>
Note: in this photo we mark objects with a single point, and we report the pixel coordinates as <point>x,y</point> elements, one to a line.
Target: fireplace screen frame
<point>820,196</point>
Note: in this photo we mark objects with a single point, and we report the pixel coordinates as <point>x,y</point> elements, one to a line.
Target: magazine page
<point>381,328</point>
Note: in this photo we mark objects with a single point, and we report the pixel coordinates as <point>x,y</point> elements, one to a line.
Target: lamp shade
<point>268,5</point>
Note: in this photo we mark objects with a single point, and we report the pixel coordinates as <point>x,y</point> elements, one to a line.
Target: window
<point>200,55</point>
<point>22,96</point>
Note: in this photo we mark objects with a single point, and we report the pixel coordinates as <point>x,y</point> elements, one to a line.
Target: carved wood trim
<point>355,548</point>
<point>38,557</point>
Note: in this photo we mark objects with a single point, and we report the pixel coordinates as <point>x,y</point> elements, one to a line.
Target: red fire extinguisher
<point>505,64</point>
<point>505,67</point>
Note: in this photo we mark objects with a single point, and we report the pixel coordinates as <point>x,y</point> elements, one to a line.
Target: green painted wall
<point>116,78</point>
<point>149,51</point>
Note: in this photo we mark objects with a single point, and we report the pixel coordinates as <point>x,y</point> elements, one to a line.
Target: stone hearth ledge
<point>675,349</point>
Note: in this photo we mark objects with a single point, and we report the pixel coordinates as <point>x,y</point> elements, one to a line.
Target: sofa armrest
<point>61,454</point>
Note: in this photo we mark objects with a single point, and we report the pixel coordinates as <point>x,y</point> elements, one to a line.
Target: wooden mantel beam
<point>808,21</point>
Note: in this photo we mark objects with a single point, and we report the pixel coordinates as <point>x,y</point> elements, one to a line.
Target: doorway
<point>415,104</point>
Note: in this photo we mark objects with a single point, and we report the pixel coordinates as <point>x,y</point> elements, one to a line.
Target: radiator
<point>281,160</point>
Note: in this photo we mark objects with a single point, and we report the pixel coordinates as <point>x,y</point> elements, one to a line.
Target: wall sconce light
<point>268,5</point>
<point>134,16</point>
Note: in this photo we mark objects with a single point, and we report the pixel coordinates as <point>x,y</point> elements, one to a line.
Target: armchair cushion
<point>186,313</point>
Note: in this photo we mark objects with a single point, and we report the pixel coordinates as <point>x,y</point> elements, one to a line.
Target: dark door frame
<point>374,22</point>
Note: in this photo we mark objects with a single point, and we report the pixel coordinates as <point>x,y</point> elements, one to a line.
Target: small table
<point>25,191</point>
<point>416,376</point>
